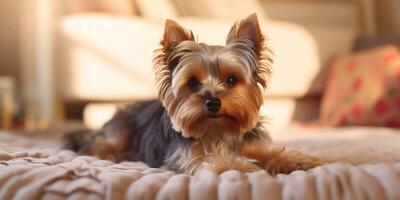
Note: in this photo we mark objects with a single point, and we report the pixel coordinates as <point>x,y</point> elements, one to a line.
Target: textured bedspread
<point>30,171</point>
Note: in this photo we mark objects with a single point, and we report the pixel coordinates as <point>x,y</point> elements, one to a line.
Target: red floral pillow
<point>364,89</point>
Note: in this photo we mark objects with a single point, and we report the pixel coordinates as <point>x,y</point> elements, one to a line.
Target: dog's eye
<point>231,81</point>
<point>193,83</point>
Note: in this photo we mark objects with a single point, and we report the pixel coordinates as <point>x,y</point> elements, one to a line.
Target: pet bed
<point>32,167</point>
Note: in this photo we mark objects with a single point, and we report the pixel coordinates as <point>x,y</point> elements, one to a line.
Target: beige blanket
<point>32,168</point>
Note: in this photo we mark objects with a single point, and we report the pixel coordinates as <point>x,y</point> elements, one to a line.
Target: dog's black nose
<point>213,104</point>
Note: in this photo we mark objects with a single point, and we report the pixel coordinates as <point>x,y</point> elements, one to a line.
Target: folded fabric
<point>33,172</point>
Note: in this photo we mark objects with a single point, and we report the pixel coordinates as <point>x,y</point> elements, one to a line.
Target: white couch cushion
<point>107,58</point>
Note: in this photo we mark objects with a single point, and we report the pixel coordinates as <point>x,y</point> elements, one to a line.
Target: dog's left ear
<point>247,28</point>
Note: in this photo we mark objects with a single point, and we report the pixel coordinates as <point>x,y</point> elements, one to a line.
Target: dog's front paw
<point>289,161</point>
<point>221,165</point>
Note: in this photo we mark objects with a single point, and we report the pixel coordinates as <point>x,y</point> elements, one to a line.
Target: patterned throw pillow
<point>364,89</point>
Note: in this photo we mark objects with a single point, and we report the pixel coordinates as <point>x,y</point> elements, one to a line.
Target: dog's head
<point>208,89</point>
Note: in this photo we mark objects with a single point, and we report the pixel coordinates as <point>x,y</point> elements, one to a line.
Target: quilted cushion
<point>364,89</point>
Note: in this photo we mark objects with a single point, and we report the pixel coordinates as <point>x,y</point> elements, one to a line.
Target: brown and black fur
<point>147,137</point>
<point>207,115</point>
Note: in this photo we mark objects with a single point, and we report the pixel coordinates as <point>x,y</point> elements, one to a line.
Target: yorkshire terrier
<point>207,115</point>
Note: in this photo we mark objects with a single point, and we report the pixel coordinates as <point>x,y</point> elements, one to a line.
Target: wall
<point>26,33</point>
<point>388,17</point>
<point>379,17</point>
<point>9,37</point>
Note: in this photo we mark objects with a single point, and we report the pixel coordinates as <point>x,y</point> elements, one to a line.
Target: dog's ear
<point>247,28</point>
<point>175,33</point>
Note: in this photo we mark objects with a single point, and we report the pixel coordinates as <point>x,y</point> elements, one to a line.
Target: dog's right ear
<point>175,33</point>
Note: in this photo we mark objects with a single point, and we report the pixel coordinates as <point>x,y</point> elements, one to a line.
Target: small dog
<point>207,115</point>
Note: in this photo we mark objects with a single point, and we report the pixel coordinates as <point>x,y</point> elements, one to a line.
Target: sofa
<point>105,60</point>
